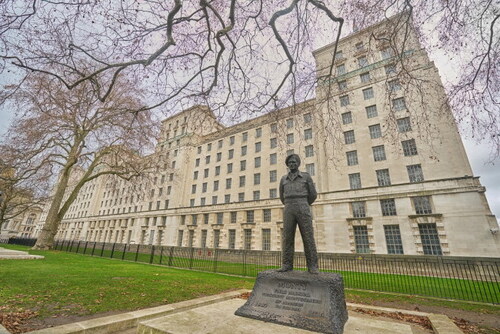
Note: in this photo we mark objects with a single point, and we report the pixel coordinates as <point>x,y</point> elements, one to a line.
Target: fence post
<point>161,254</point>
<point>244,262</point>
<point>112,250</point>
<point>102,248</point>
<point>216,259</point>
<point>191,258</point>
<point>170,256</point>
<point>93,247</point>
<point>124,250</point>
<point>137,252</point>
<point>78,247</point>
<point>85,249</point>
<point>152,254</point>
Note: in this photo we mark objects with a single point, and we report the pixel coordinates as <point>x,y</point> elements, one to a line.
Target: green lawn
<point>449,288</point>
<point>67,283</point>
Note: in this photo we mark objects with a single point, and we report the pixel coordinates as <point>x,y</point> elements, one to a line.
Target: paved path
<point>17,255</point>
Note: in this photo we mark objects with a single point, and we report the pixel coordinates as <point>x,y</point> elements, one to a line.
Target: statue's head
<point>292,162</point>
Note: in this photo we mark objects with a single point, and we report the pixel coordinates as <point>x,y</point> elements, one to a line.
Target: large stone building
<point>379,141</point>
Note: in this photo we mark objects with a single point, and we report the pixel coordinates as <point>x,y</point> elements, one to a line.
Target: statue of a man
<point>297,193</point>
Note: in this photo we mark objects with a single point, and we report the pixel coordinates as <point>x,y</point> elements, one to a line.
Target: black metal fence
<point>465,278</point>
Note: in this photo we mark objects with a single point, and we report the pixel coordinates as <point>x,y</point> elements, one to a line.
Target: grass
<point>450,288</point>
<point>65,283</point>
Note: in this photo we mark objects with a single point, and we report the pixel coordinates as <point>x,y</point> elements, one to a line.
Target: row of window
<point>233,217</point>
<point>415,174</point>
<point>429,237</point>
<point>258,133</point>
<point>421,204</point>
<point>398,104</point>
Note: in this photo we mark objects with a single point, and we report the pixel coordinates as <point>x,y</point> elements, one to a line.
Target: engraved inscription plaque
<point>298,299</point>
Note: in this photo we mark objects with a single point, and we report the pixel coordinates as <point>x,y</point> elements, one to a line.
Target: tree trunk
<point>45,240</point>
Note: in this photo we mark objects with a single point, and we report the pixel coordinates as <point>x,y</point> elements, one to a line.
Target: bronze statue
<point>297,193</point>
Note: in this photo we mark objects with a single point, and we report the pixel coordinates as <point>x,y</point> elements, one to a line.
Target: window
<point>409,147</point>
<point>205,218</point>
<point>365,77</point>
<point>220,217</point>
<point>273,175</point>
<point>203,201</point>
<point>344,100</point>
<point>194,219</point>
<point>360,46</point>
<point>379,153</point>
<point>214,200</point>
<point>422,205</point>
<point>404,124</point>
<point>266,213</point>
<point>250,216</point>
<point>362,61</point>
<point>347,118</point>
<point>341,69</point>
<point>219,143</point>
<point>358,209</point>
<point>209,147</point>
<point>173,164</point>
<point>355,180</point>
<point>266,239</point>
<point>273,159</point>
<point>241,197</point>
<point>371,111</point>
<point>289,138</point>
<point>219,156</point>
<point>361,239</point>
<point>195,175</point>
<point>352,158</point>
<point>375,131</point>
<point>415,173</point>
<point>248,238</point>
<point>386,53</point>
<point>197,163</point>
<point>203,239</point>
<point>257,162</point>
<point>368,93</point>
<point>217,170</point>
<point>216,185</point>
<point>232,239</point>
<point>307,118</point>
<point>342,85</point>
<point>258,147</point>
<point>205,172</point>
<point>207,159</point>
<point>258,132</point>
<point>244,136</point>
<point>339,55</point>
<point>310,169</point>
<point>204,187</point>
<point>229,168</point>
<point>393,239</point>
<point>289,123</point>
<point>227,198</point>
<point>288,152</point>
<point>273,142</point>
<point>242,181</point>
<point>183,220</point>
<point>349,137</point>
<point>309,151</point>
<point>243,150</point>
<point>243,165</point>
<point>229,183</point>
<point>273,193</point>
<point>399,104</point>
<point>234,216</point>
<point>216,238</point>
<point>193,189</point>
<point>179,238</point>
<point>308,134</point>
<point>430,239</point>
<point>383,177</point>
<point>394,85</point>
<point>388,207</point>
<point>230,154</point>
<point>199,149</point>
<point>274,127</point>
<point>256,178</point>
<point>256,195</point>
<point>390,69</point>
<point>231,140</point>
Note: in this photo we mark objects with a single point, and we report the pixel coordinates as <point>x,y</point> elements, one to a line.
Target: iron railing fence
<point>451,277</point>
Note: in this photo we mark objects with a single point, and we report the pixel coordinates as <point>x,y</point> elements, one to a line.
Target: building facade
<point>378,140</point>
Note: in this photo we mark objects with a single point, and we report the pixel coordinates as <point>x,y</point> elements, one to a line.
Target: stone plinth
<point>298,299</point>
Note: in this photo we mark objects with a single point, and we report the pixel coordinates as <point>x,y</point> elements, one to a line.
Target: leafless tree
<point>79,138</point>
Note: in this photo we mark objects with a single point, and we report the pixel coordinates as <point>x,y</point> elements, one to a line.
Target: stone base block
<point>298,299</point>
